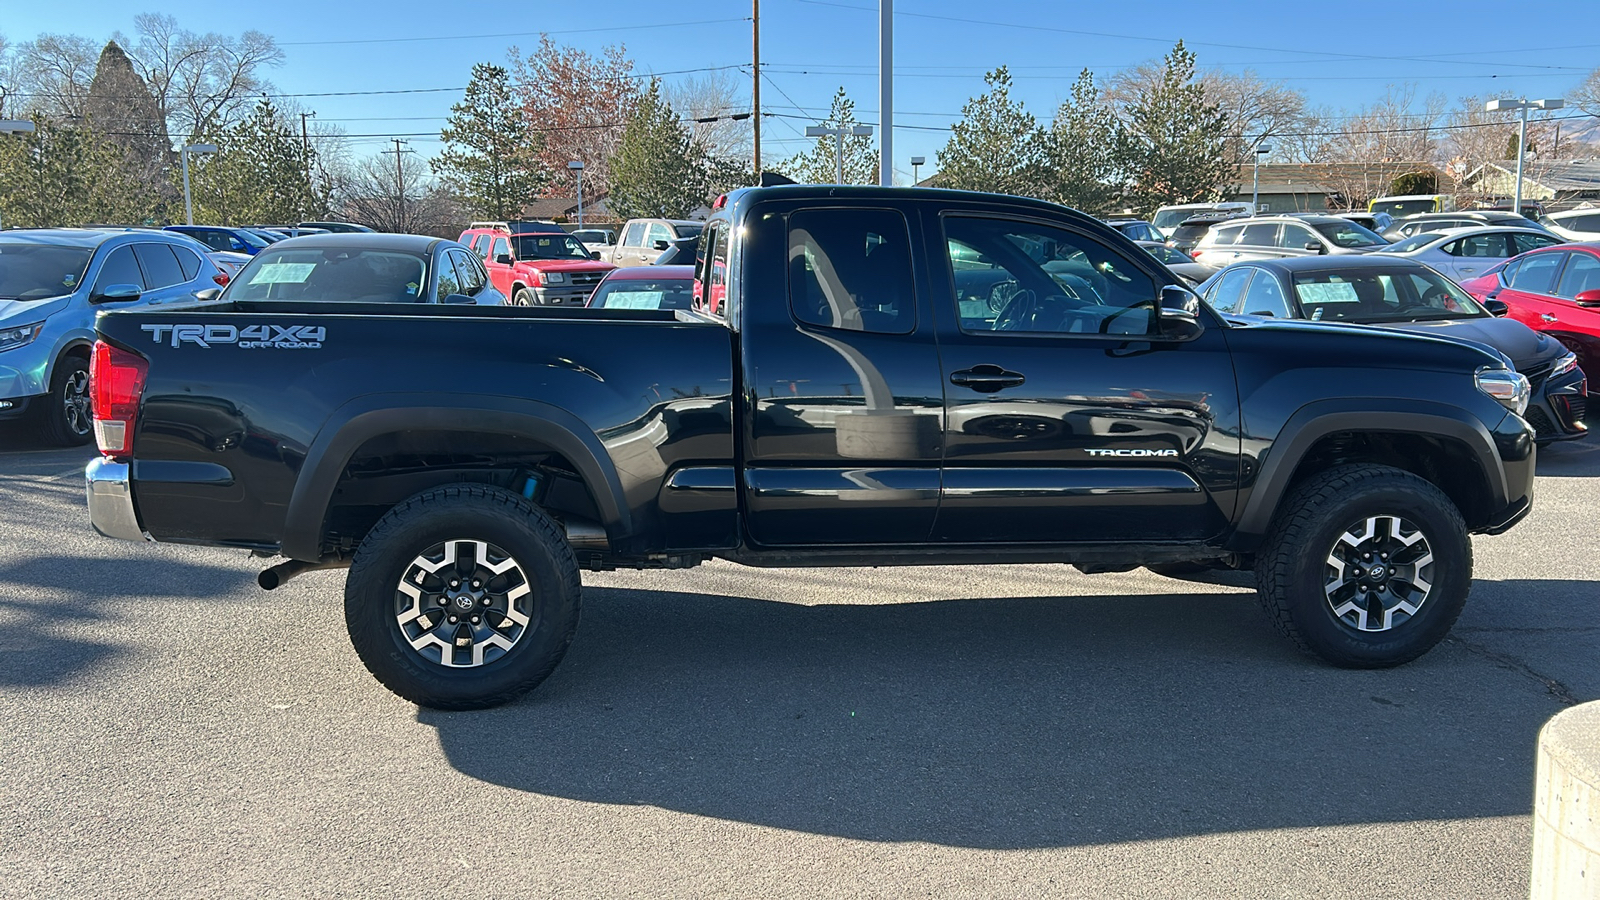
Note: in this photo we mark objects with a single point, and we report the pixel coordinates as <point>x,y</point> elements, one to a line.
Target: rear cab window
<point>850,269</point>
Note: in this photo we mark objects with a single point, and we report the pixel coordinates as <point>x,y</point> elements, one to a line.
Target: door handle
<point>1547,317</point>
<point>986,379</point>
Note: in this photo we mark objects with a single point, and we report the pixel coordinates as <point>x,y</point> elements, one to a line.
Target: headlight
<point>1506,386</point>
<point>19,335</point>
<point>555,278</point>
<point>1564,365</point>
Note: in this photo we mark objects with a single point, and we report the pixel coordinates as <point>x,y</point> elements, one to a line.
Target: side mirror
<point>208,294</point>
<point>502,259</point>
<point>1178,315</point>
<point>594,254</point>
<point>1590,297</point>
<point>1313,245</point>
<point>457,298</point>
<point>116,293</point>
<point>1496,307</point>
<point>662,245</point>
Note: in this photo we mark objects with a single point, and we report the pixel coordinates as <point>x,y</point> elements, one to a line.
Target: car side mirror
<point>502,259</point>
<point>594,254</point>
<point>1313,245</point>
<point>662,245</point>
<point>457,298</point>
<point>1590,297</point>
<point>1178,315</point>
<point>116,293</point>
<point>1497,307</point>
<point>208,294</point>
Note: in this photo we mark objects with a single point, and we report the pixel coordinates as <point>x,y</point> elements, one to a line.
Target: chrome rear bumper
<point>111,500</point>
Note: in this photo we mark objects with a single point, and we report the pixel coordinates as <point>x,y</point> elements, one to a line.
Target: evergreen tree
<point>261,173</point>
<point>1174,143</point>
<point>820,165</point>
<point>121,108</point>
<point>997,146</point>
<point>59,175</point>
<point>657,171</point>
<point>1083,170</point>
<point>491,155</point>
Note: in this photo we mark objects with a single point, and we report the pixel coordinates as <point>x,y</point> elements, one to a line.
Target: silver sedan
<point>1462,254</point>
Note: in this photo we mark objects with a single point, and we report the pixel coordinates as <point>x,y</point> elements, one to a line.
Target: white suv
<point>1574,224</point>
<point>1277,237</point>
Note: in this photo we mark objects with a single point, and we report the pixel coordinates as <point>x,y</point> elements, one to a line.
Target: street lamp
<point>1255,176</point>
<point>15,126</point>
<point>823,131</point>
<point>1522,105</point>
<point>183,155</point>
<point>916,163</point>
<point>577,166</point>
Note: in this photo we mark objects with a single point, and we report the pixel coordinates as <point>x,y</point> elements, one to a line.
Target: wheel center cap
<point>1377,573</point>
<point>465,602</point>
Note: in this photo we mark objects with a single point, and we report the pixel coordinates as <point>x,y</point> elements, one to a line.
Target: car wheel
<point>1367,566</point>
<point>66,414</point>
<point>462,597</point>
<point>522,297</point>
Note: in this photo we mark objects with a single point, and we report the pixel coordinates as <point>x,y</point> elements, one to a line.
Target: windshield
<point>691,230</point>
<point>1349,234</point>
<point>349,274</point>
<point>1168,219</point>
<point>548,246</point>
<point>1398,208</point>
<point>1383,295</point>
<point>40,271</point>
<point>268,237</point>
<point>1410,243</point>
<point>590,236</point>
<point>644,293</point>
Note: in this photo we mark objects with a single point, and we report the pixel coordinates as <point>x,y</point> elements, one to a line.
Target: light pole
<point>1255,176</point>
<point>824,131</point>
<point>577,166</point>
<point>1522,105</point>
<point>15,126</point>
<point>916,165</point>
<point>886,92</point>
<point>183,155</point>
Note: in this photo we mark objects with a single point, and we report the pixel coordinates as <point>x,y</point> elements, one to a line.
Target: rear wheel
<point>65,415</point>
<point>1367,566</point>
<point>462,597</point>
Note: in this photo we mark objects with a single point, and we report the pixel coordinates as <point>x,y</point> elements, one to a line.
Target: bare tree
<point>581,102</point>
<point>404,201</point>
<point>54,72</point>
<point>9,107</point>
<point>1586,96</point>
<point>1254,108</point>
<point>202,82</point>
<point>714,95</point>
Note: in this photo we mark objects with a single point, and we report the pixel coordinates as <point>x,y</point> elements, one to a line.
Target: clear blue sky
<point>1340,55</point>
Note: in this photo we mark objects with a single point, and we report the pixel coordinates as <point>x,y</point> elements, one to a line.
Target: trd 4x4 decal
<point>273,337</point>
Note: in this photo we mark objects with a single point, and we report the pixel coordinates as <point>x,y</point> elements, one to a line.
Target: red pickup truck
<point>536,263</point>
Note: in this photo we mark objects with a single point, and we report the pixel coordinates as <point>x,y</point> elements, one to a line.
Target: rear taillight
<point>116,383</point>
<point>221,278</point>
<point>1196,253</point>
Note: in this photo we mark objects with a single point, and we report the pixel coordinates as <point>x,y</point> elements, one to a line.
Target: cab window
<point>850,269</point>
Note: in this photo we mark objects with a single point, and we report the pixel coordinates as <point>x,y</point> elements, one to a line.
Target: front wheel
<point>66,413</point>
<point>462,597</point>
<point>1367,566</point>
<point>522,297</point>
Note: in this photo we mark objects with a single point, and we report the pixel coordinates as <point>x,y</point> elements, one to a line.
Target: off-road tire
<point>522,297</point>
<point>55,416</point>
<point>1293,569</point>
<point>467,512</point>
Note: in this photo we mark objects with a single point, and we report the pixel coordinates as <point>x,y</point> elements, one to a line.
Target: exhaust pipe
<point>279,575</point>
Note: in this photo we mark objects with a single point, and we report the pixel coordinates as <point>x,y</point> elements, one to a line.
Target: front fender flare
<point>365,418</point>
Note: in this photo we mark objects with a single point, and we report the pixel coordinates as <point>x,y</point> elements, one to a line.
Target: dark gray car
<point>366,268</point>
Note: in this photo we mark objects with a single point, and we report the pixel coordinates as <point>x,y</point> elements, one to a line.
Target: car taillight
<point>221,278</point>
<point>116,384</point>
<point>1196,252</point>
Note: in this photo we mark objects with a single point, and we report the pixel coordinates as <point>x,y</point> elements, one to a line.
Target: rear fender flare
<point>365,418</point>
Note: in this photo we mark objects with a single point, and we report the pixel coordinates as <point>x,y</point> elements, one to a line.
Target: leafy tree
<point>1174,141</point>
<point>581,104</point>
<point>820,164</point>
<point>1083,170</point>
<point>60,175</point>
<point>491,156</point>
<point>997,146</point>
<point>261,172</point>
<point>658,170</point>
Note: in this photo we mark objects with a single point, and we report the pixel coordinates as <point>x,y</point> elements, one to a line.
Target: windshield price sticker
<point>282,273</point>
<point>1327,292</point>
<point>250,337</point>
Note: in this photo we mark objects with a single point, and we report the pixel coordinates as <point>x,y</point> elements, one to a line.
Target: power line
<point>504,34</point>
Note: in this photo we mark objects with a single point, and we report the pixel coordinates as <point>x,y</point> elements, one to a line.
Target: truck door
<point>843,398</point>
<point>1067,420</point>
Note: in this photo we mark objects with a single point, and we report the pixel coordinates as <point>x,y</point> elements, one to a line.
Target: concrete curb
<point>1566,807</point>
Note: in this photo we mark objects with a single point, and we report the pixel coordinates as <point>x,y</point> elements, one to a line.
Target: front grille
<point>1542,426</point>
<point>586,277</point>
<point>1537,374</point>
<point>1579,407</point>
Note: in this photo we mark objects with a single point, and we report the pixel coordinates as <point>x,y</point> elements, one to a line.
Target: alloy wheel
<point>1379,573</point>
<point>463,603</point>
<point>77,407</point>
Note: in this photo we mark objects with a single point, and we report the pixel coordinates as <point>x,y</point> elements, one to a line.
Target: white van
<point>1168,218</point>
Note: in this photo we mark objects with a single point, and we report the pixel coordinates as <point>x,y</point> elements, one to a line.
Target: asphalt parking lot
<point>1021,731</point>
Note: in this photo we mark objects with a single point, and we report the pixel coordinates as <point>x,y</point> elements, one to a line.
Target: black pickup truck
<point>870,377</point>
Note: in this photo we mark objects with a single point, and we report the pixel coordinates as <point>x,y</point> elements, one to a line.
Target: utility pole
<point>886,93</point>
<point>305,145</point>
<point>755,59</point>
<point>399,184</point>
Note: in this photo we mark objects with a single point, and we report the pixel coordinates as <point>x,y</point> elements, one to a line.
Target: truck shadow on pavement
<point>53,609</point>
<point>1001,723</point>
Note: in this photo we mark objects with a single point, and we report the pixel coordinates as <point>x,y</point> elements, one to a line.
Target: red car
<point>1555,290</point>
<point>536,263</point>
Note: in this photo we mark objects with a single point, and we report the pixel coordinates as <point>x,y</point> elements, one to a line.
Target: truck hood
<point>1522,344</point>
<point>1375,337</point>
<point>567,265</point>
<point>22,312</point>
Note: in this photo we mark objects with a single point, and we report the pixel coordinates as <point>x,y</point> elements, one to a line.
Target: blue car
<point>228,240</point>
<point>52,283</point>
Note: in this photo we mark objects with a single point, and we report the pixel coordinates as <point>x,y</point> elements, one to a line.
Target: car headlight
<point>555,278</point>
<point>19,335</point>
<point>1564,365</point>
<point>1506,386</point>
